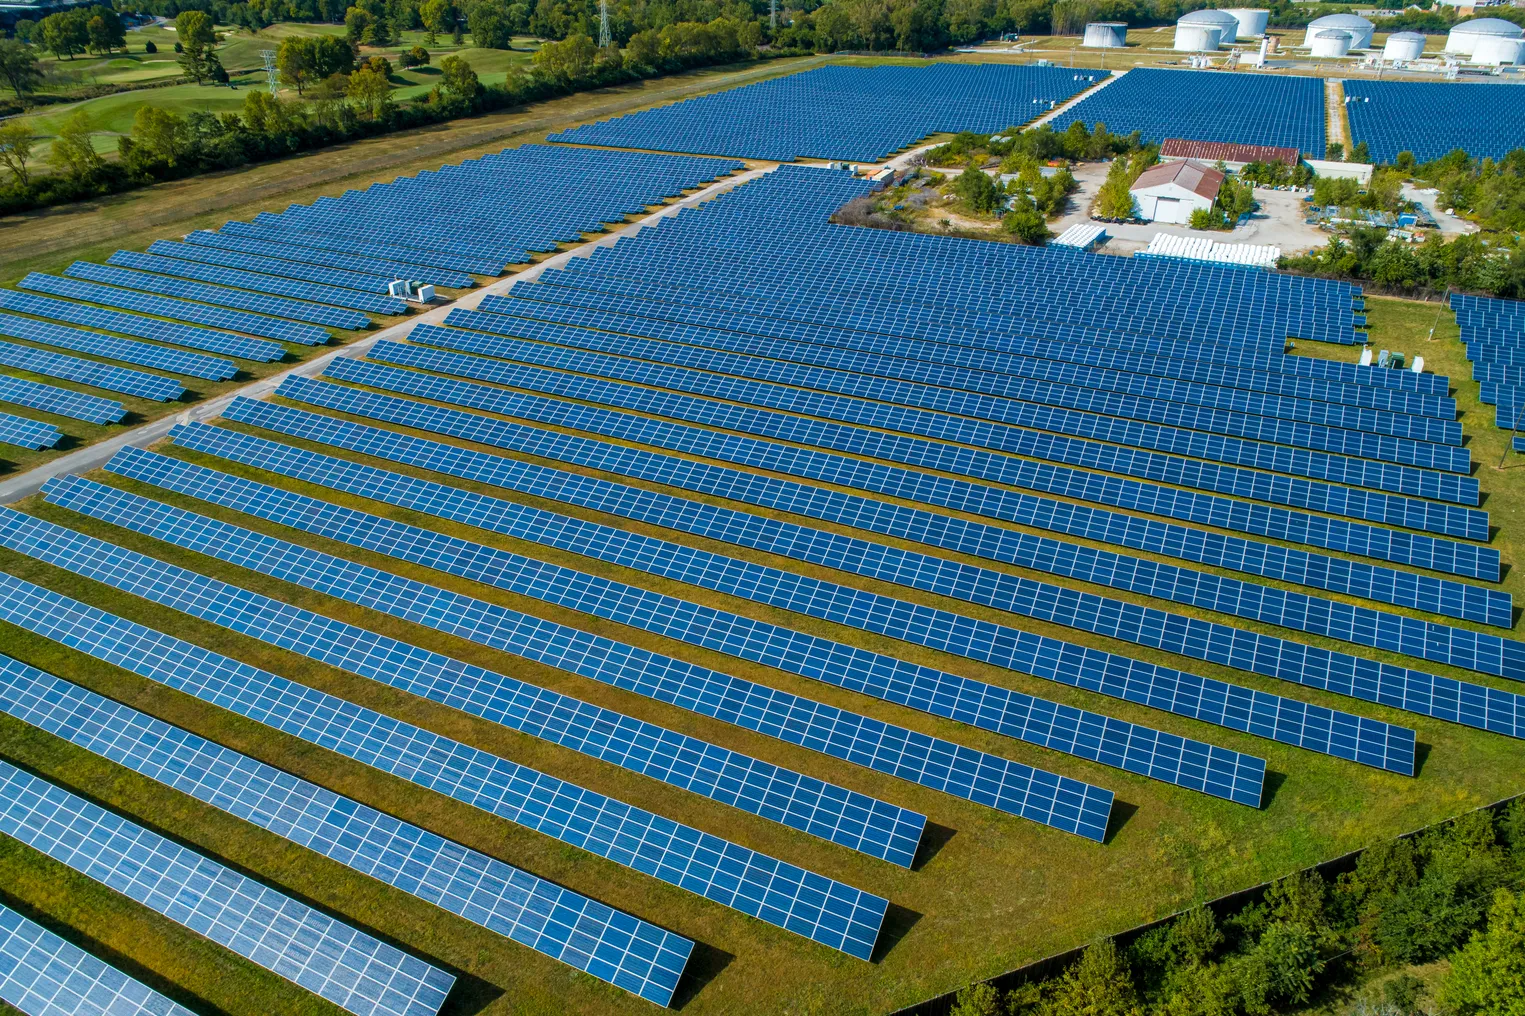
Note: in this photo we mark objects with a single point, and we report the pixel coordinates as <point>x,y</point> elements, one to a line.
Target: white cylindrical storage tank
<point>1197,38</point>
<point>1106,35</point>
<point>1465,36</point>
<point>1403,46</point>
<point>1331,42</point>
<point>1495,50</point>
<point>1252,21</point>
<point>1359,28</point>
<point>1227,24</point>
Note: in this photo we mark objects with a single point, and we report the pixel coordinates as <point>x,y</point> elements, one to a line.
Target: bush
<point>415,57</point>
<point>976,189</point>
<point>149,47</point>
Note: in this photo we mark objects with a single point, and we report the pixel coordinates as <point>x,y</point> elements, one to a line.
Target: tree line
<point>1453,892</point>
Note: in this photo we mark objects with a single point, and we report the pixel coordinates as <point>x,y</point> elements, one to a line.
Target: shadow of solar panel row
<point>590,189</point>
<point>176,361</point>
<point>330,259</point>
<point>334,296</point>
<point>60,401</point>
<point>1446,519</point>
<point>926,360</point>
<point>1432,119</point>
<point>800,802</point>
<point>566,926</point>
<point>915,360</point>
<point>145,328</point>
<point>875,111</point>
<point>782,894</point>
<point>284,268</point>
<point>1018,406</point>
<point>349,968</point>
<point>851,820</point>
<point>88,372</point>
<point>27,433</point>
<point>43,975</point>
<point>180,310</point>
<point>1252,109</point>
<point>1113,742</point>
<point>993,502</point>
<point>1051,659</point>
<point>1040,553</point>
<point>280,306</point>
<point>753,246</point>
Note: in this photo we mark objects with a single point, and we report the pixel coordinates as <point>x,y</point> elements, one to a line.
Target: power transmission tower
<point>271,72</point>
<point>773,15</point>
<point>604,38</point>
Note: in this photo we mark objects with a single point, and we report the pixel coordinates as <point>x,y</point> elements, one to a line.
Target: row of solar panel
<point>334,296</point>
<point>587,935</point>
<point>90,372</point>
<point>59,401</point>
<point>276,306</point>
<point>1433,119</point>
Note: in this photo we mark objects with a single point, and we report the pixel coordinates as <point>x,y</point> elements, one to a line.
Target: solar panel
<point>349,968</point>
<point>566,926</point>
<point>222,296</point>
<point>176,361</point>
<point>43,975</point>
<point>1433,118</point>
<point>330,259</point>
<point>824,910</point>
<point>28,433</point>
<point>143,327</point>
<point>177,309</point>
<point>271,266</point>
<point>60,401</point>
<point>1161,756</point>
<point>1050,659</point>
<point>100,375</point>
<point>336,296</point>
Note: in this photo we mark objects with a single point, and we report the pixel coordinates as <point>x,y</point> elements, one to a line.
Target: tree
<point>193,31</point>
<point>1360,153</point>
<point>1098,984</point>
<point>1114,199</point>
<point>371,92</point>
<point>26,31</point>
<point>104,30</point>
<point>149,47</point>
<point>160,134</point>
<point>439,17</point>
<point>16,143</point>
<point>19,66</point>
<point>65,34</point>
<point>1026,223</point>
<point>1334,151</point>
<point>975,188</point>
<point>415,57</point>
<point>977,1000</point>
<point>566,61</point>
<point>73,151</point>
<point>294,60</point>
<point>457,78</point>
<point>1488,974</point>
<point>356,24</point>
<point>1280,969</point>
<point>490,26</point>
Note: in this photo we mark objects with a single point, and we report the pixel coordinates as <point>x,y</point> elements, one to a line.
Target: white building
<point>1359,28</point>
<point>1171,191</point>
<point>1466,36</point>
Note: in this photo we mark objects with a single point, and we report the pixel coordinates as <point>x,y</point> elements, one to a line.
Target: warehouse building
<point>1171,191</point>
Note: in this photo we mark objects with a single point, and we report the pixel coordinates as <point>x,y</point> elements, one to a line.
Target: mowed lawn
<point>990,891</point>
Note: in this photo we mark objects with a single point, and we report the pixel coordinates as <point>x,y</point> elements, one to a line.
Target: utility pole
<point>272,74</point>
<point>773,15</point>
<point>605,40</point>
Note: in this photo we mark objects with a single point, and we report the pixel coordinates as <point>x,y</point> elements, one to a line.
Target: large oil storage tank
<point>1403,46</point>
<point>1226,23</point>
<point>1359,28</point>
<point>1465,36</point>
<point>1252,21</point>
<point>1497,50</point>
<point>1106,35</point>
<point>1198,38</point>
<point>1331,42</point>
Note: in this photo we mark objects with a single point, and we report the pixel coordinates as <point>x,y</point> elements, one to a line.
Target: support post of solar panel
<point>272,73</point>
<point>604,38</point>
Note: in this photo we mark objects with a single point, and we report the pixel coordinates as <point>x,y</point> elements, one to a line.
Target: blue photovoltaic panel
<point>927,488</point>
<point>852,820</point>
<point>330,259</point>
<point>271,266</point>
<point>143,327</point>
<point>583,933</point>
<point>272,227</point>
<point>1452,520</point>
<point>60,401</point>
<point>1171,759</point>
<point>176,361</point>
<point>100,375</point>
<point>222,296</point>
<point>1433,118</point>
<point>177,309</point>
<point>336,296</point>
<point>826,911</point>
<point>1450,598</point>
<point>332,960</point>
<point>43,975</point>
<point>1349,675</point>
<point>875,111</point>
<point>28,433</point>
<point>1185,694</point>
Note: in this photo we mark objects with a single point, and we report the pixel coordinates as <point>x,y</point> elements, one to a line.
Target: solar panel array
<point>862,113</point>
<point>347,967</point>
<point>1253,109</point>
<point>176,361</point>
<point>223,296</point>
<point>44,975</point>
<point>59,401</point>
<point>25,432</point>
<point>135,324</point>
<point>557,922</point>
<point>1493,333</point>
<point>335,296</point>
<point>1433,118</point>
<point>99,375</point>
